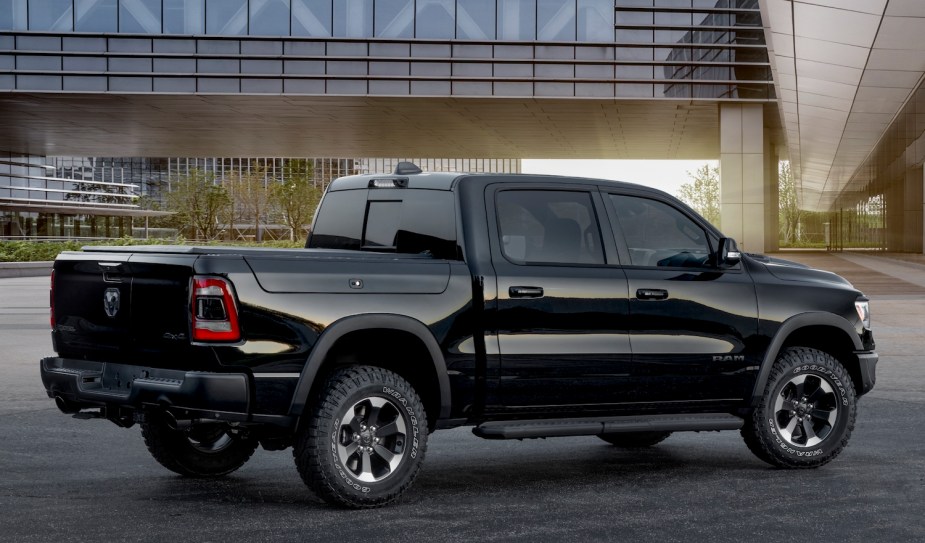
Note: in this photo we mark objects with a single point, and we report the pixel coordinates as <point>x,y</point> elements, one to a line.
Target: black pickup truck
<point>525,306</point>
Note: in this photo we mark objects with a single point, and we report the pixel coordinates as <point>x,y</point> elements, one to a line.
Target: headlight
<point>863,309</point>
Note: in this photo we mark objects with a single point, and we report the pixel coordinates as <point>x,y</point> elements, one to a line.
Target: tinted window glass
<point>339,224</point>
<point>95,16</point>
<point>226,17</point>
<point>435,19</point>
<point>382,222</point>
<point>394,18</point>
<point>13,15</point>
<point>549,226</point>
<point>140,16</point>
<point>269,18</point>
<point>353,18</point>
<point>401,220</point>
<point>555,20</point>
<point>659,235</point>
<point>51,15</point>
<point>184,16</point>
<point>475,19</point>
<point>311,18</point>
<point>516,20</point>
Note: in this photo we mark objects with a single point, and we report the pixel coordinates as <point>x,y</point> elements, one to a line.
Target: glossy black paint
<point>503,339</point>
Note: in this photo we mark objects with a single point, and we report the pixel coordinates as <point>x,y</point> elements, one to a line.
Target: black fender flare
<point>791,325</point>
<point>342,327</point>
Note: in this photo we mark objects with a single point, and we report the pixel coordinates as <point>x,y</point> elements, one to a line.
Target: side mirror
<point>727,253</point>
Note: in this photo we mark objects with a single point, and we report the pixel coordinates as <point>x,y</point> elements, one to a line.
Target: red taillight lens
<point>214,312</point>
<point>51,301</point>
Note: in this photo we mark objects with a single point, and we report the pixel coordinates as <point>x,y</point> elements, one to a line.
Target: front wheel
<point>807,411</point>
<point>365,441</point>
<point>202,450</point>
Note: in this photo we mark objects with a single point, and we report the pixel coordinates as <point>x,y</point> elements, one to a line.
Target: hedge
<point>36,251</point>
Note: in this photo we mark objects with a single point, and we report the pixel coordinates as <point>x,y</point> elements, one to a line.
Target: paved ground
<point>69,480</point>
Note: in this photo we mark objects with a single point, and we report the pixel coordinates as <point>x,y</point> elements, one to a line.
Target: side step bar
<point>524,429</point>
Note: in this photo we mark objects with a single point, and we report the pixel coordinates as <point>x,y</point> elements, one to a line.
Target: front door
<point>692,324</point>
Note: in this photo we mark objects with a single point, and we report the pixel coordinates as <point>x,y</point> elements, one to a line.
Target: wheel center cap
<point>366,437</point>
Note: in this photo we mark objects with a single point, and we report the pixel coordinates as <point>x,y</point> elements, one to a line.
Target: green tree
<point>200,204</point>
<point>789,205</point>
<point>296,197</point>
<point>702,193</point>
<point>251,197</point>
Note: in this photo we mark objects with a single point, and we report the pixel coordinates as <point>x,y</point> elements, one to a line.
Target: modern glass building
<point>101,197</point>
<point>651,48</point>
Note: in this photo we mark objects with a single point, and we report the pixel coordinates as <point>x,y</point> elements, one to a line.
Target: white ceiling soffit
<point>842,69</point>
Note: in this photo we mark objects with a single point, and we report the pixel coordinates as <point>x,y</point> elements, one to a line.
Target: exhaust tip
<point>65,406</point>
<point>175,424</point>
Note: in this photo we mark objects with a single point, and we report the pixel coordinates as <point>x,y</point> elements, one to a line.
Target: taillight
<point>51,301</point>
<point>214,312</point>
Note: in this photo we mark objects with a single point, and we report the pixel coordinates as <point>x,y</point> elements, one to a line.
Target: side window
<point>659,235</point>
<point>394,220</point>
<point>548,226</point>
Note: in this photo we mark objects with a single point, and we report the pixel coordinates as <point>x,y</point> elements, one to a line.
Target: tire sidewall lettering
<point>405,405</point>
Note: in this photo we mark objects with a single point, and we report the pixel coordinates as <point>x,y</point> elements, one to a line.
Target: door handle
<point>525,292</point>
<point>651,294</point>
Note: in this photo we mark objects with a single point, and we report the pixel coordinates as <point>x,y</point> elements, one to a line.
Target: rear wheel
<point>635,440</point>
<point>202,450</point>
<point>365,441</point>
<point>807,411</point>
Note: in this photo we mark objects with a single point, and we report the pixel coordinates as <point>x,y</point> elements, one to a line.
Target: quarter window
<point>659,235</point>
<point>552,226</point>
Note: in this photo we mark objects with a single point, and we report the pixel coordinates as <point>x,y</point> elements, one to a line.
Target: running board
<point>523,429</point>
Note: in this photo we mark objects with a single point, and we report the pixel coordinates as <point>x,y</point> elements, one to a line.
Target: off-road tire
<point>635,440</point>
<point>803,382</point>
<point>206,450</point>
<point>362,408</point>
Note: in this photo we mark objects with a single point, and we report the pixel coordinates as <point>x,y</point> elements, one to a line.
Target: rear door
<point>692,324</point>
<point>561,319</point>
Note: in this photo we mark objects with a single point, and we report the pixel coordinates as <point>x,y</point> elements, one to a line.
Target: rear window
<point>390,220</point>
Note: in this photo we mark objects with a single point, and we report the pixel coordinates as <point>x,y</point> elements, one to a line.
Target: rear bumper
<point>88,384</point>
<point>867,361</point>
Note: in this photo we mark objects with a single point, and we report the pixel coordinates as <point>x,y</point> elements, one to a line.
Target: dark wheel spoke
<point>809,433</point>
<point>390,429</point>
<point>818,394</point>
<point>365,469</point>
<point>350,448</point>
<point>375,408</point>
<point>826,415</point>
<point>384,453</point>
<point>355,425</point>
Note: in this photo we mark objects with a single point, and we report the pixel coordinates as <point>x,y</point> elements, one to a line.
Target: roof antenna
<point>406,168</point>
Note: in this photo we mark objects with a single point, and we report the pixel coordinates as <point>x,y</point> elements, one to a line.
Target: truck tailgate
<point>126,307</point>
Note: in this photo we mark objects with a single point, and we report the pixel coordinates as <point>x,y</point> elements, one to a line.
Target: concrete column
<point>912,210</point>
<point>742,175</point>
<point>771,197</point>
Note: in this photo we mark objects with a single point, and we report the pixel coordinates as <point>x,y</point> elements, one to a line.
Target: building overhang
<point>61,124</point>
<point>843,70</point>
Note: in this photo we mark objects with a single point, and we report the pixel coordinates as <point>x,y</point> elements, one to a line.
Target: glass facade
<point>675,49</point>
<point>518,20</point>
<point>98,197</point>
<point>659,22</point>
